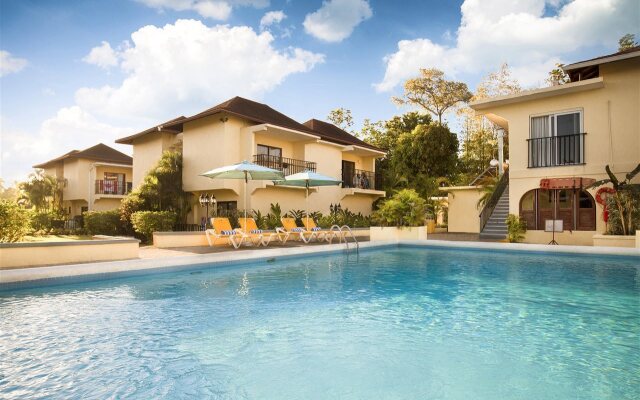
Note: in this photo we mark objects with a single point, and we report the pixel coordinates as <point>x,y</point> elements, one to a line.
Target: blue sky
<point>75,73</point>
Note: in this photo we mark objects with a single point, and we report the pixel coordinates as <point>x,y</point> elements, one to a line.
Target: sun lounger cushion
<point>256,231</point>
<point>297,230</point>
<point>228,232</point>
<point>316,229</point>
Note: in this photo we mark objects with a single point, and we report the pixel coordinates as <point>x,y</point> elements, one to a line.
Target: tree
<point>433,92</point>
<point>8,193</point>
<point>557,76</point>
<point>14,222</point>
<point>161,190</point>
<point>341,117</point>
<point>44,192</point>
<point>426,153</point>
<point>479,140</point>
<point>627,42</point>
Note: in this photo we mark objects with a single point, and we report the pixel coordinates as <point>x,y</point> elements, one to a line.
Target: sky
<point>77,73</point>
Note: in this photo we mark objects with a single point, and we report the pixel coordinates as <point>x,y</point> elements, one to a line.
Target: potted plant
<point>400,217</point>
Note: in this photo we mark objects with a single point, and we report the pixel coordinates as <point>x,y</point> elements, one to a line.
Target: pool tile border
<point>65,274</point>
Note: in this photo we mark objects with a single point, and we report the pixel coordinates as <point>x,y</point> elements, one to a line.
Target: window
<point>269,151</point>
<point>226,208</point>
<point>556,139</point>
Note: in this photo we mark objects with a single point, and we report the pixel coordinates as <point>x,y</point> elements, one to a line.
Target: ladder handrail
<point>352,236</point>
<point>342,229</point>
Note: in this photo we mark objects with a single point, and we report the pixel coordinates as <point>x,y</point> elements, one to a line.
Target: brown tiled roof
<point>173,125</point>
<point>332,133</point>
<point>258,113</point>
<point>100,152</point>
<point>253,111</point>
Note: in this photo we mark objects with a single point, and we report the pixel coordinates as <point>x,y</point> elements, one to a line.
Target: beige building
<point>567,134</point>
<point>241,129</point>
<point>96,178</point>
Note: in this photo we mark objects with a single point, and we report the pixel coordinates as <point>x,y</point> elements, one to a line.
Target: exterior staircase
<point>496,227</point>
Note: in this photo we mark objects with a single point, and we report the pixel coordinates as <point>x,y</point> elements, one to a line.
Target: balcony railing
<point>288,166</point>
<point>112,187</point>
<point>556,151</point>
<point>361,179</point>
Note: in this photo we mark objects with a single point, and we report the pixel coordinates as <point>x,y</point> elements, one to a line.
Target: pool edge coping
<point>51,275</point>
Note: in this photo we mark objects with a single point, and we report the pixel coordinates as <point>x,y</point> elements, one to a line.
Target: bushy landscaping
<point>405,208</point>
<point>103,223</point>
<point>14,222</point>
<point>147,222</point>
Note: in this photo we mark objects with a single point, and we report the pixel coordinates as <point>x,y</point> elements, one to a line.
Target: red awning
<point>566,183</point>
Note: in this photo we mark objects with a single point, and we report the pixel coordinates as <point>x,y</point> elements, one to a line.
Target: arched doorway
<point>576,208</point>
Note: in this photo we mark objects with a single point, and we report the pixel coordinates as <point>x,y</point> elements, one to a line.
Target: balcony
<point>112,187</point>
<point>361,179</point>
<point>288,166</point>
<point>556,151</point>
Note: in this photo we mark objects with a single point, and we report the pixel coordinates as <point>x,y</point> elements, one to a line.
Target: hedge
<point>147,222</point>
<point>103,222</point>
<point>14,222</point>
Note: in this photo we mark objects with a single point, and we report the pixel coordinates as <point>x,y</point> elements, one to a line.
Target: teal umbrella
<point>244,170</point>
<point>308,179</point>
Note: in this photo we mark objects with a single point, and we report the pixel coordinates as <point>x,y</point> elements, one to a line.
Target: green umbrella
<point>307,179</point>
<point>244,170</point>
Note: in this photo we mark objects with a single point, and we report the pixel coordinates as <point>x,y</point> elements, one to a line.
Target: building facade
<point>566,134</point>
<point>96,178</point>
<point>241,129</point>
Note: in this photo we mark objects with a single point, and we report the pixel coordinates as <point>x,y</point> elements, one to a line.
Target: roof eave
<point>573,87</point>
<point>599,61</point>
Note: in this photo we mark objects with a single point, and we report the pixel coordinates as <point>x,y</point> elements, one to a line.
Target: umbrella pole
<point>246,180</point>
<point>306,204</point>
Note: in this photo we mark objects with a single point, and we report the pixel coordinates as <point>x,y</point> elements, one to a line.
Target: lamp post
<point>500,151</point>
<point>205,200</point>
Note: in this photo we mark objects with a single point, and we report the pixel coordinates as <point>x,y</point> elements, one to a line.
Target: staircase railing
<point>490,205</point>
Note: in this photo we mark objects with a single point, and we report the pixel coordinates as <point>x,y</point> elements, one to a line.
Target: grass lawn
<point>55,238</point>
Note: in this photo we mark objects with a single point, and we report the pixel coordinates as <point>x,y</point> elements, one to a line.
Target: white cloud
<point>336,19</point>
<point>71,128</point>
<point>214,9</point>
<point>517,32</point>
<point>270,18</point>
<point>103,56</point>
<point>180,67</point>
<point>10,64</point>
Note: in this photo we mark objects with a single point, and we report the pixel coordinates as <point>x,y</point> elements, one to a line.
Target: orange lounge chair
<point>222,230</point>
<point>289,226</point>
<point>249,227</point>
<point>322,234</point>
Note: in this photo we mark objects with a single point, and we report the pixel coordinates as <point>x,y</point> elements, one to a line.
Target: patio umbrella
<point>307,179</point>
<point>244,170</point>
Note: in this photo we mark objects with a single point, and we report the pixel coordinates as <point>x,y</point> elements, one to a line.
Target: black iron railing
<point>112,187</point>
<point>556,150</point>
<point>361,179</point>
<point>490,205</point>
<point>288,166</point>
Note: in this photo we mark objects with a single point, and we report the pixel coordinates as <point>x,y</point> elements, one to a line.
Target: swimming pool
<point>400,323</point>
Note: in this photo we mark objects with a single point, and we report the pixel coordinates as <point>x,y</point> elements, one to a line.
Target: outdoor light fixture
<point>205,200</point>
<point>494,163</point>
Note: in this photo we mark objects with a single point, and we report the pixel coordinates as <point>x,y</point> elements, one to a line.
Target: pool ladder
<point>341,235</point>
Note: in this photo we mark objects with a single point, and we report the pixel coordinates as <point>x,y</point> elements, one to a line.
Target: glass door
<point>348,174</point>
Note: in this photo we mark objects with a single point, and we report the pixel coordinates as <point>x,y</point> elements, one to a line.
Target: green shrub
<point>405,208</point>
<point>103,222</point>
<point>147,222</point>
<point>45,221</point>
<point>516,228</point>
<point>14,222</point>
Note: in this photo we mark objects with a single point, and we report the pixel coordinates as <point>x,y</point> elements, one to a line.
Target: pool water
<point>397,323</point>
